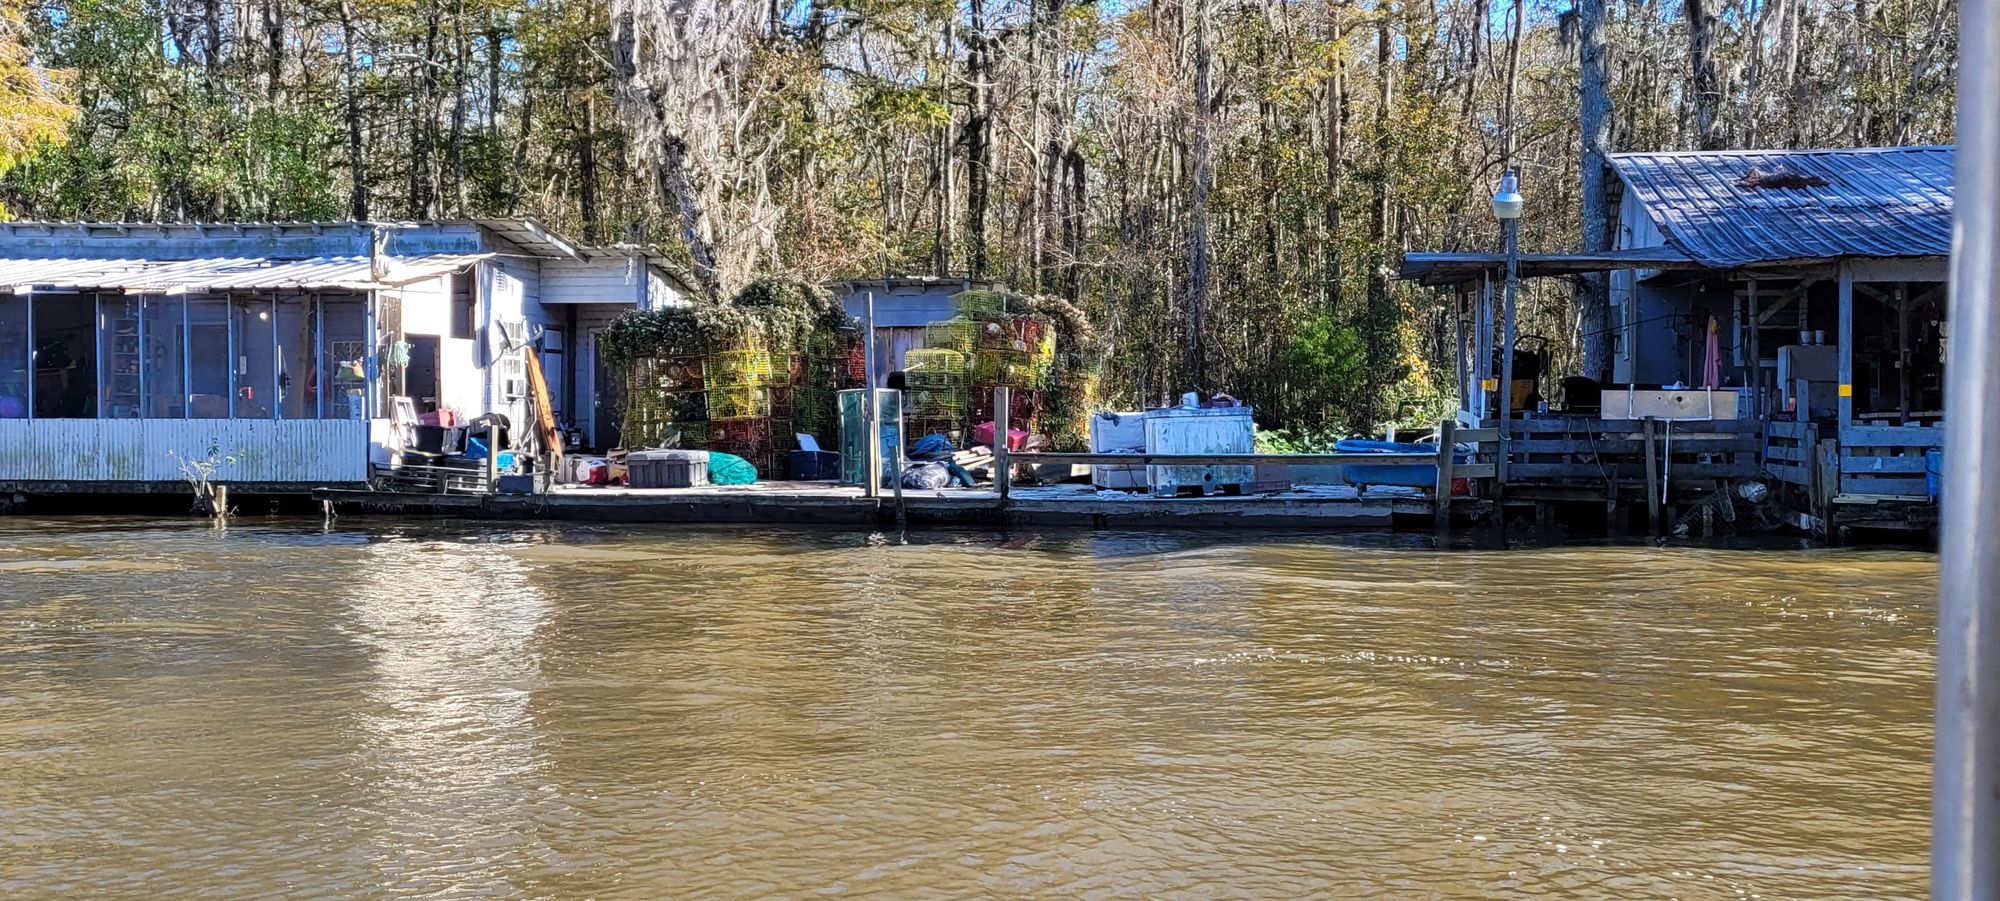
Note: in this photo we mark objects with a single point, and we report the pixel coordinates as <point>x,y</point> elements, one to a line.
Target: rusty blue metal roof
<point>1736,208</point>
<point>221,274</point>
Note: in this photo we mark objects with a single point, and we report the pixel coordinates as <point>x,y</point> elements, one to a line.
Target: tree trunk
<point>1204,177</point>
<point>274,39</point>
<point>586,174</point>
<point>461,78</point>
<point>669,176</point>
<point>1703,89</point>
<point>1336,162</point>
<point>357,160</point>
<point>1593,300</point>
<point>1510,134</point>
<point>977,137</point>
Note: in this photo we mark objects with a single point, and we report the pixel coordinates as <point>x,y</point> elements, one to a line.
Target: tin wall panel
<point>308,452</point>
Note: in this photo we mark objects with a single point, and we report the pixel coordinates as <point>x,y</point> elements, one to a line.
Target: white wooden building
<point>280,348</point>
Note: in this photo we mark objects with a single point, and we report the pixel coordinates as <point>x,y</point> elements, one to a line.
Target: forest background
<point>1225,186</point>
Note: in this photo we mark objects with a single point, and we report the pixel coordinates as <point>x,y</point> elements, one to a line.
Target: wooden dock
<point>821,503</point>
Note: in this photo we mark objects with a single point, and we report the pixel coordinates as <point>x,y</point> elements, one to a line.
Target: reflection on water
<point>585,712</point>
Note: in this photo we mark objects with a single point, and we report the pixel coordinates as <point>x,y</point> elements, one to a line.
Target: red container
<point>983,434</point>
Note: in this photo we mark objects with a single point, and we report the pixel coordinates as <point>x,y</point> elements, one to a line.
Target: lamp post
<point>1507,208</point>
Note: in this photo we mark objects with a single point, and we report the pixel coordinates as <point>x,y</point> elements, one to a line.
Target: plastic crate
<point>666,469</point>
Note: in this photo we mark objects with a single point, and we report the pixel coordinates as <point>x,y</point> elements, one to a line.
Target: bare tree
<point>689,94</point>
<point>1593,301</point>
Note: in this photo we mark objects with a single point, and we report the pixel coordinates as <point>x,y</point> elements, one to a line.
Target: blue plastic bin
<point>1407,476</point>
<point>813,466</point>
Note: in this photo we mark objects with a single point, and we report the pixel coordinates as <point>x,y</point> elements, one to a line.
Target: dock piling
<point>1003,469</point>
<point>1441,495</point>
<point>1651,427</point>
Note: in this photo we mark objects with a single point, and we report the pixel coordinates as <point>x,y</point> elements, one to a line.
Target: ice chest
<point>814,465</point>
<point>666,469</point>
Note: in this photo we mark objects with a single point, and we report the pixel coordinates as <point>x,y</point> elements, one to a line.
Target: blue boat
<point>1362,475</point>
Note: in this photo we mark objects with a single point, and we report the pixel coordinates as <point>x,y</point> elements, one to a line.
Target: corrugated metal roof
<point>1446,268</point>
<point>223,274</point>
<point>1875,202</point>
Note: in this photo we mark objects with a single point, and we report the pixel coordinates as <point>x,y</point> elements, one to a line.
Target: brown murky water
<point>418,710</point>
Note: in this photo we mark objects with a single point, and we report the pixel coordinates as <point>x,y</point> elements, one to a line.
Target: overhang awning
<point>354,273</point>
<point>1454,268</point>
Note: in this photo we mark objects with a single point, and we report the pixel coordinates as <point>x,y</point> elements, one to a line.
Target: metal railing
<point>1449,439</point>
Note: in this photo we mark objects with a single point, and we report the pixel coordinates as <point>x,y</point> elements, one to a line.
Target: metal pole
<point>1483,356</point>
<point>1965,800</point>
<point>1512,227</point>
<point>1003,468</point>
<point>871,482</point>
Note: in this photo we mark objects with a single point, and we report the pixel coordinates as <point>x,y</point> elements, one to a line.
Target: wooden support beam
<point>1441,499</point>
<point>1846,344</point>
<point>1652,479</point>
<point>1779,305</point>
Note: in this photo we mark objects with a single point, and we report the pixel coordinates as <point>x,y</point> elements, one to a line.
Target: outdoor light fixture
<point>1507,200</point>
<point>1507,208</point>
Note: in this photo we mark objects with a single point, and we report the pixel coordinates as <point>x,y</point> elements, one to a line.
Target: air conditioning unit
<point>513,388</point>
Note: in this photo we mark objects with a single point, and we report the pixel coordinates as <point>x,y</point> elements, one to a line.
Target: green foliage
<point>778,314</point>
<point>1298,440</point>
<point>1325,363</point>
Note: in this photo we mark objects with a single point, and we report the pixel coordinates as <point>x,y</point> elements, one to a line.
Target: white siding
<point>663,292</point>
<point>510,290</point>
<point>307,452</point>
<point>603,280</point>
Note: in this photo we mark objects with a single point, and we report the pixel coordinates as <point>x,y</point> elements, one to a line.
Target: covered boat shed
<point>1824,272</point>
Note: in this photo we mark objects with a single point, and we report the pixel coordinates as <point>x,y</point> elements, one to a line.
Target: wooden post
<point>219,505</point>
<point>1903,352</point>
<point>1462,368</point>
<point>1756,375</point>
<point>871,481</point>
<point>1652,476</point>
<point>1003,470</point>
<point>493,457</point>
<point>1482,353</point>
<point>1846,339</point>
<point>901,439</point>
<point>1441,498</point>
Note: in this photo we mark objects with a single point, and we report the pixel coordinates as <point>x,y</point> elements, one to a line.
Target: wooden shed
<point>1820,273</point>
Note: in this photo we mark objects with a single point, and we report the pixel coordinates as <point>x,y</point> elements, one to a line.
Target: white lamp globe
<point>1507,201</point>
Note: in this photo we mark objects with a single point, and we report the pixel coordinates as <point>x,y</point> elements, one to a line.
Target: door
<point>553,367</point>
<point>421,378</point>
<point>607,397</point>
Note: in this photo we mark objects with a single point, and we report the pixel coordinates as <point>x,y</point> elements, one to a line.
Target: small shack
<point>1799,293</point>
<point>904,306</point>
<point>284,350</point>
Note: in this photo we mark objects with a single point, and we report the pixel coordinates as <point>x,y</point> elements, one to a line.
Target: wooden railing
<point>1887,460</point>
<point>1477,445</point>
<point>1614,451</point>
<point>1788,452</point>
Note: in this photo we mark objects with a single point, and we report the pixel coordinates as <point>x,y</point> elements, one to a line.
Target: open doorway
<point>65,357</point>
<point>607,397</point>
<point>421,378</point>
